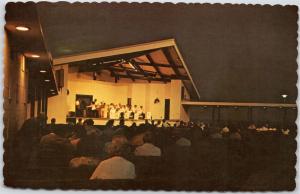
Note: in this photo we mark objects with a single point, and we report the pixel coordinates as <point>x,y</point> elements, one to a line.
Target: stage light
<point>94,64</point>
<point>131,65</point>
<point>51,90</point>
<point>22,28</point>
<point>43,71</point>
<point>47,80</point>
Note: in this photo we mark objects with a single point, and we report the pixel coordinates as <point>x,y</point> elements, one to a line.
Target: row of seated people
<point>114,152</point>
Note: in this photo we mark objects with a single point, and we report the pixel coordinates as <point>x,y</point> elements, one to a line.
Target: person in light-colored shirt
<point>116,167</point>
<point>252,126</point>
<point>147,149</point>
<point>225,130</point>
<point>183,142</point>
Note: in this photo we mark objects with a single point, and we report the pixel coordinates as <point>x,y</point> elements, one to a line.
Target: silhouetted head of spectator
<point>53,120</point>
<point>181,124</point>
<point>152,122</point>
<point>191,124</point>
<point>122,122</point>
<point>118,149</point>
<point>109,123</point>
<point>59,130</point>
<point>80,132</point>
<point>133,125</point>
<point>233,128</point>
<point>119,139</point>
<point>88,122</point>
<point>148,137</point>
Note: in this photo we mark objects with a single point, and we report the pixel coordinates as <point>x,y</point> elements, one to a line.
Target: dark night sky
<point>235,53</point>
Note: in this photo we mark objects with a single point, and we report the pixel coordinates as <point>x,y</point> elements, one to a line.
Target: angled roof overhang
<point>158,61</point>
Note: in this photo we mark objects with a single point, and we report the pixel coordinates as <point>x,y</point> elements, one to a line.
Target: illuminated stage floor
<point>128,122</point>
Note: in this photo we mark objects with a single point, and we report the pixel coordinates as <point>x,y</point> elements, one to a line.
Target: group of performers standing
<point>110,111</point>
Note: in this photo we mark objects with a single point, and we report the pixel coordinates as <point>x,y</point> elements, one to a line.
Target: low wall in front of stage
<point>141,94</point>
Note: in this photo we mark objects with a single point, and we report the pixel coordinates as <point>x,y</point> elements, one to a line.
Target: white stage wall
<point>142,94</point>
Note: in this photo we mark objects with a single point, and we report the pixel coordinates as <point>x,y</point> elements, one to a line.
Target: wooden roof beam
<point>170,60</point>
<point>127,72</point>
<point>155,67</point>
<point>138,68</point>
<point>181,77</point>
<point>144,78</point>
<point>159,65</point>
<point>131,71</point>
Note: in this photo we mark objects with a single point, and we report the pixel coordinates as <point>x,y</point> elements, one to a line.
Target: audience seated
<point>92,142</point>
<point>115,167</point>
<point>84,161</point>
<point>147,149</point>
<point>208,153</point>
<point>183,141</point>
<point>285,131</point>
<point>55,149</point>
<point>217,134</point>
<point>108,131</point>
<point>26,141</point>
<point>137,139</point>
<point>164,124</point>
<point>234,133</point>
<point>252,126</point>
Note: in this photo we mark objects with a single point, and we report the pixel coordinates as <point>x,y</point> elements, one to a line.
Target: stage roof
<point>158,61</point>
<point>239,53</point>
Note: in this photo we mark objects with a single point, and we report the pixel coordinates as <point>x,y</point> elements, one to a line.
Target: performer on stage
<point>112,112</point>
<point>92,107</point>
